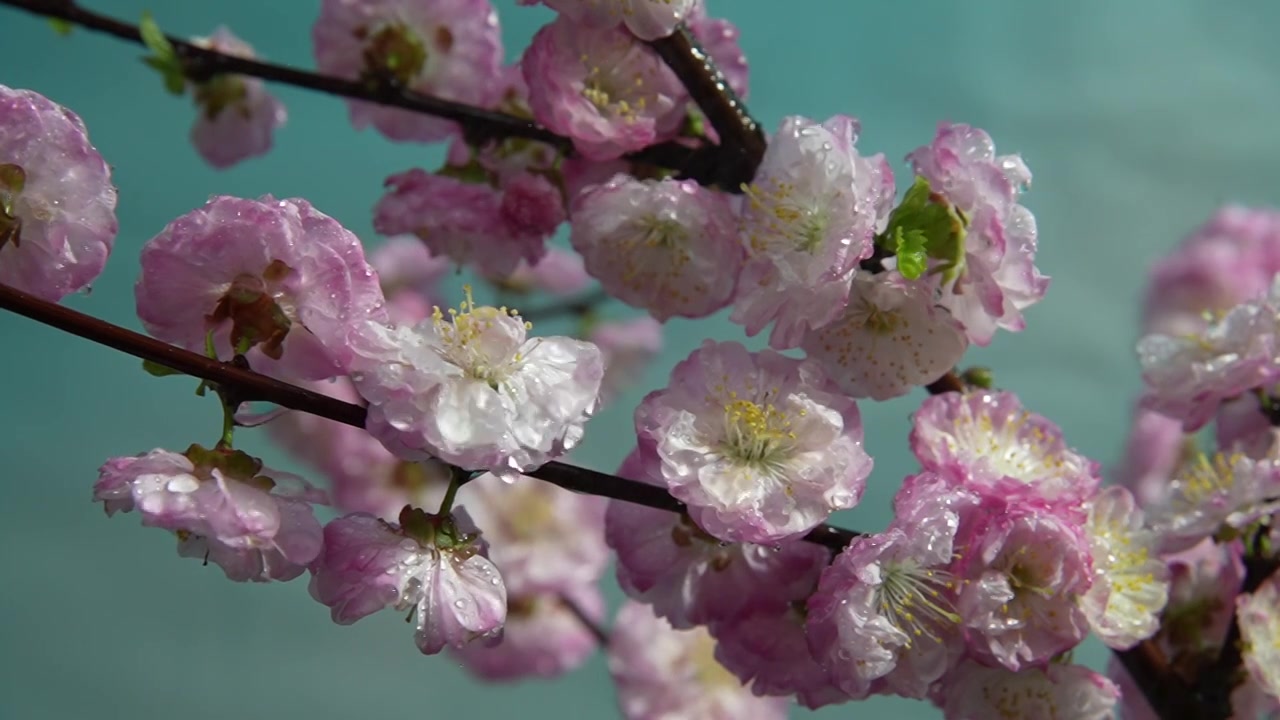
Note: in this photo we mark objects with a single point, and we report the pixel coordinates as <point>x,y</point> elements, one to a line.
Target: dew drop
<point>458,603</point>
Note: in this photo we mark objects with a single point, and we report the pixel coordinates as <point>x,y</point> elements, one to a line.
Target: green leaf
<point>910,250</point>
<point>158,370</point>
<point>154,39</point>
<point>927,225</point>
<point>60,26</point>
<point>165,58</point>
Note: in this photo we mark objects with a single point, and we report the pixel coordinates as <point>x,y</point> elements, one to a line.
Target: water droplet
<point>458,603</point>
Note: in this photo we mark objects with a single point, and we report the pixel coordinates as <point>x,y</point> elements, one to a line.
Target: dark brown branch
<point>1167,694</point>
<point>741,140</point>
<point>1215,684</point>
<point>247,386</point>
<point>200,64</point>
<point>601,635</point>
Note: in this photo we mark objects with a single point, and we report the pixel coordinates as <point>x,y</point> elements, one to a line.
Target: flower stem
<point>457,478</point>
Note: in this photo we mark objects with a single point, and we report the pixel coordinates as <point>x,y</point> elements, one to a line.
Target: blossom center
<point>1027,574</point>
<point>757,435</point>
<point>468,339</point>
<point>395,54</point>
<point>803,225</point>
<point>1204,478</point>
<point>915,599</point>
<point>1025,456</point>
<point>613,93</point>
<point>535,516</point>
<point>709,672</point>
<point>220,93</point>
<point>12,179</point>
<point>253,305</point>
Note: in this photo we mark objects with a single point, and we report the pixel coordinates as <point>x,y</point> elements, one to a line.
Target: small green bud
<point>978,377</point>
<point>164,59</point>
<point>913,260</point>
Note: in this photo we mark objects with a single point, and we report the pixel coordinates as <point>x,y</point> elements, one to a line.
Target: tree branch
<point>742,142</point>
<point>698,163</point>
<point>247,385</point>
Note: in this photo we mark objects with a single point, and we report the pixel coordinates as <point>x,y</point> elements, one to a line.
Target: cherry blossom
<point>223,506</point>
<point>436,566</point>
<point>57,203</point>
<point>761,446</point>
<point>238,117</point>
<point>451,49</point>
<point>276,280</point>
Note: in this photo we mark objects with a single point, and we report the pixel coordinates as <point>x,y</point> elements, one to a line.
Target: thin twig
<point>601,635</point>
<point>248,386</point>
<point>698,162</point>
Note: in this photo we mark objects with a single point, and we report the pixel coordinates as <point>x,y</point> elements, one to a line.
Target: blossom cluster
<point>1004,551</point>
<point>1210,359</point>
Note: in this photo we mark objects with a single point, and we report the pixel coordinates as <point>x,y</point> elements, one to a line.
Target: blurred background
<point>1138,119</point>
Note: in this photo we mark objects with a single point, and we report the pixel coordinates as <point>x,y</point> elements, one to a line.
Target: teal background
<point>1137,118</point>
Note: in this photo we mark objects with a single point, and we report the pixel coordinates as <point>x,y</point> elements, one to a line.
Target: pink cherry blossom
<point>662,673</point>
<point>237,115</point>
<point>459,220</point>
<point>628,347</point>
<point>889,339</point>
<point>986,441</point>
<point>646,19</point>
<point>1061,692</point>
<point>602,87</point>
<point>1023,575</point>
<point>541,637</point>
<point>531,205</point>
<point>541,536</point>
<point>1231,490</point>
<point>404,263</point>
<point>1204,581</point>
<point>451,49</point>
<point>435,565</point>
<point>254,523</point>
<point>559,273</point>
<point>810,215</point>
<point>762,447</point>
<point>691,578</point>
<point>883,617</point>
<point>57,203</point>
<point>277,278</point>
<point>1229,260</point>
<point>1188,376</point>
<point>1130,581</point>
<point>474,390</point>
<point>997,278</point>
<point>767,651</point>
<point>666,246</point>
